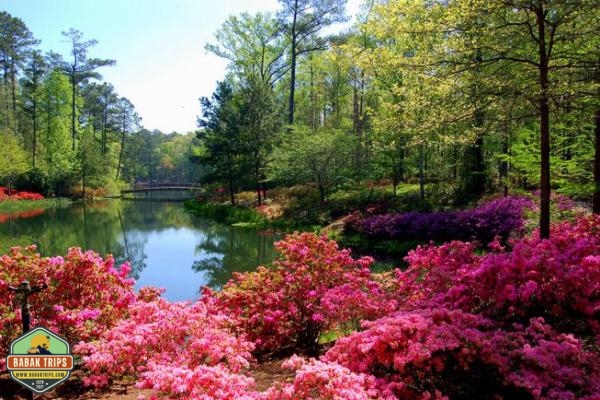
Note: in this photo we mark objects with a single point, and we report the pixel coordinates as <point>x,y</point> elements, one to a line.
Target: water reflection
<point>166,246</point>
<point>224,250</point>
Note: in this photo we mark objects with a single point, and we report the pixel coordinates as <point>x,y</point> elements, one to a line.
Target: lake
<point>167,246</point>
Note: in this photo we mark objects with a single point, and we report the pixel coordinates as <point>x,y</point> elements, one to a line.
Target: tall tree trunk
<point>504,166</point>
<point>422,172</point>
<point>313,100</point>
<point>294,54</point>
<point>292,88</point>
<point>596,198</point>
<point>73,96</point>
<point>14,97</point>
<point>544,108</point>
<point>257,175</point>
<point>474,174</point>
<point>120,154</point>
<point>34,110</point>
<point>230,182</point>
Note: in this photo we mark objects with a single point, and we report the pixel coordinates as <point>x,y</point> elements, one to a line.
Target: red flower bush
<point>314,287</point>
<point>18,195</point>
<point>86,295</point>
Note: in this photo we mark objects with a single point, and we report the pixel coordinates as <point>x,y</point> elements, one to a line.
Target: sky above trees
<point>162,66</point>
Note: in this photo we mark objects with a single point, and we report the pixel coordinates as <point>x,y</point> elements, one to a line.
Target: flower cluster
<point>518,324</point>
<point>313,288</point>
<point>322,380</point>
<point>18,195</point>
<point>85,293</point>
<point>173,347</point>
<point>520,321</point>
<point>411,352</point>
<point>557,279</point>
<point>499,217</point>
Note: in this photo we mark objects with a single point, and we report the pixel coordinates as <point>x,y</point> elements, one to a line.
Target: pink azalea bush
<point>414,353</point>
<point>507,324</point>
<point>322,380</point>
<point>179,349</point>
<point>86,294</point>
<point>313,288</point>
<point>558,279</point>
<point>517,322</point>
<point>545,363</point>
<point>203,382</point>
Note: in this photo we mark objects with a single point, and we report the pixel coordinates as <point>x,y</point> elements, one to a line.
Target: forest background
<point>460,98</point>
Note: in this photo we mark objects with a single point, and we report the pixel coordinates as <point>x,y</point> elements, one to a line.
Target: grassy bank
<point>244,217</point>
<point>9,206</point>
<point>226,214</point>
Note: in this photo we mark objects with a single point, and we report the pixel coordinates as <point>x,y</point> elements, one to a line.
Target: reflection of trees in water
<point>134,244</point>
<point>87,226</point>
<point>151,215</point>
<point>121,228</point>
<point>225,249</point>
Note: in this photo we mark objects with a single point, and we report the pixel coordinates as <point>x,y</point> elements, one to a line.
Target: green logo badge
<point>39,359</point>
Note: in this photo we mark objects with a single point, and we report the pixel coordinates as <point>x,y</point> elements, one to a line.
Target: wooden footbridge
<point>162,191</point>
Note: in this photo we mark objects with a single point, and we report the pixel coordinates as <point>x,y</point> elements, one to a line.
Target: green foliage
<point>34,180</point>
<point>319,158</point>
<point>226,213</point>
<point>57,158</point>
<point>253,46</point>
<point>13,159</point>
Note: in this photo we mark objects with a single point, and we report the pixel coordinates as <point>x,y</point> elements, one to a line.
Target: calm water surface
<point>166,246</point>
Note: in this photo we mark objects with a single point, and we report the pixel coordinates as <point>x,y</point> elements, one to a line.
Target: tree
<point>220,136</point>
<point>15,42</point>
<point>301,21</point>
<point>58,159</point>
<point>258,124</point>
<point>13,159</point>
<point>101,109</point>
<point>413,109</point>
<point>534,35</point>
<point>254,47</point>
<point>35,70</point>
<point>256,51</point>
<point>79,69</point>
<point>129,121</point>
<point>319,158</point>
<point>90,161</point>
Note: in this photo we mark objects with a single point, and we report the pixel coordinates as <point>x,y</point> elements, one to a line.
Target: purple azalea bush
<point>499,217</point>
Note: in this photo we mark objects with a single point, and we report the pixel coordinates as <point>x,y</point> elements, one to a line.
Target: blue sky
<point>162,66</point>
